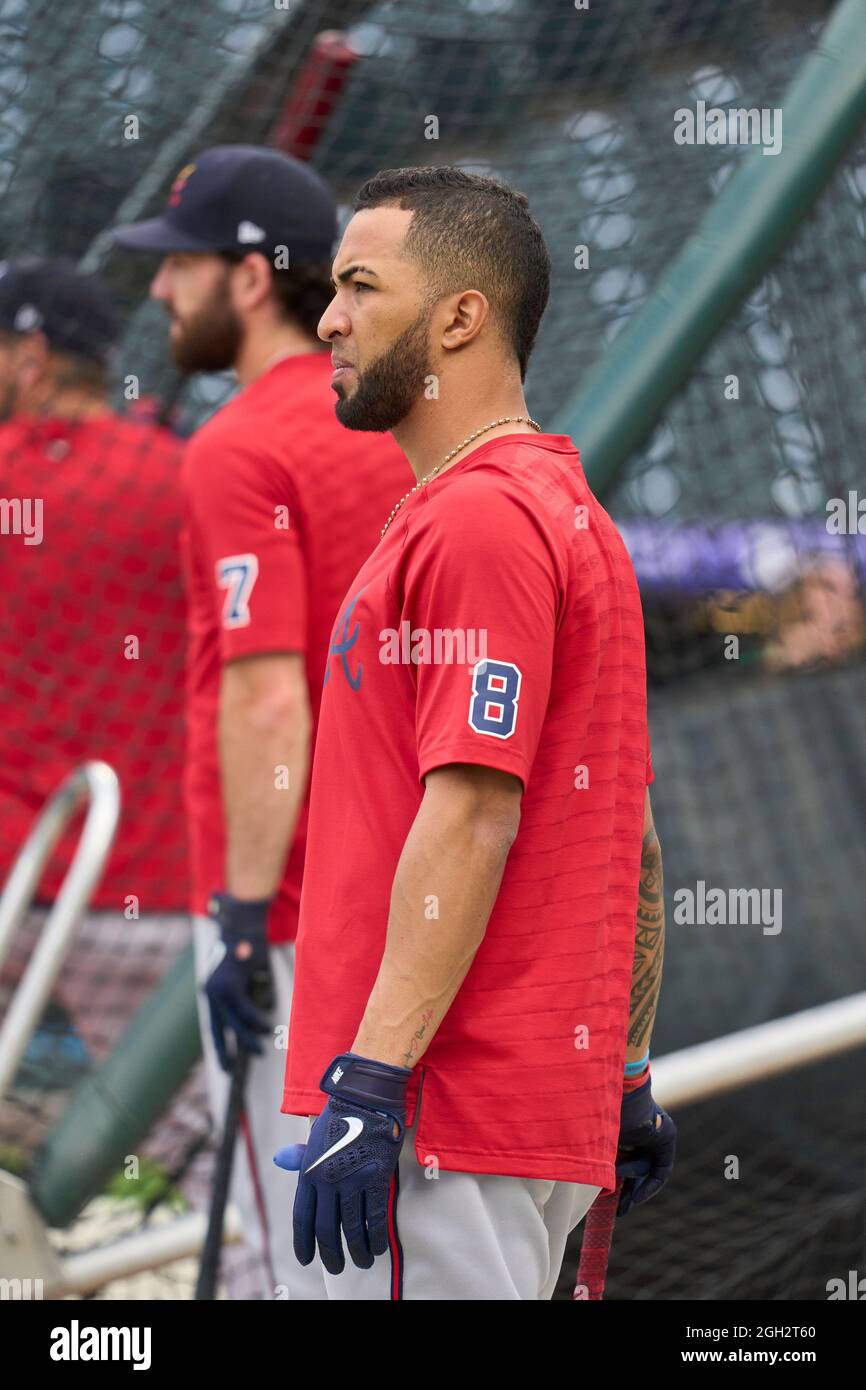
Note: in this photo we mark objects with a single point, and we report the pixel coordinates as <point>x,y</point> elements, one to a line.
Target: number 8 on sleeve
<point>495,692</point>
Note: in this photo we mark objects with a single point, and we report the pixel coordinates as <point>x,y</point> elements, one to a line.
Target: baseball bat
<point>595,1250</point>
<point>209,1268</point>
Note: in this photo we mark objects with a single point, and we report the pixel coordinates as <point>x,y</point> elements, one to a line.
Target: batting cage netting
<point>754,604</point>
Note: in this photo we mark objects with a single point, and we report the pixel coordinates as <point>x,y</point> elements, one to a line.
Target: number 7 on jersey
<point>237,574</point>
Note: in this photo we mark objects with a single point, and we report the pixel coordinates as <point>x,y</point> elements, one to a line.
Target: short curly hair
<point>472,232</point>
<point>302,292</point>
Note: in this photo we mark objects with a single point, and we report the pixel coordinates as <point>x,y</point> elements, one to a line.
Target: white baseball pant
<point>464,1236</point>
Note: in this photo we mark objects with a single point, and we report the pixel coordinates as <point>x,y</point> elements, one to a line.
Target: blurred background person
<point>91,629</point>
<point>790,591</point>
<point>282,506</point>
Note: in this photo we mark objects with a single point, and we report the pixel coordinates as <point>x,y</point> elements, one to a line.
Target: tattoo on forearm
<point>641,1026</point>
<point>649,944</point>
<point>650,925</point>
<point>647,984</point>
<point>410,1054</point>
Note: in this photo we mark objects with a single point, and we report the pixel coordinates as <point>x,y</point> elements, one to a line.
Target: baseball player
<point>282,505</point>
<point>91,631</point>
<point>467,935</point>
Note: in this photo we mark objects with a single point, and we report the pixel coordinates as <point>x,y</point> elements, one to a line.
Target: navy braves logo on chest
<point>342,642</point>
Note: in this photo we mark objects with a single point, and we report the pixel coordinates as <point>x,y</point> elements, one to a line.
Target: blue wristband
<point>635,1068</point>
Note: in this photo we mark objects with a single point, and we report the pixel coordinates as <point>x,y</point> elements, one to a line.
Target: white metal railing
<point>136,1254</point>
<point>97,783</point>
<point>739,1059</point>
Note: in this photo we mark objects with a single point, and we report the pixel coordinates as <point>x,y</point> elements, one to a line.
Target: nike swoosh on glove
<point>346,1170</point>
<point>646,1148</point>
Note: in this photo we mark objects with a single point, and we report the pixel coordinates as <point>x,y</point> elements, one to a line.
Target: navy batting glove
<point>239,987</point>
<point>347,1170</point>
<point>646,1149</point>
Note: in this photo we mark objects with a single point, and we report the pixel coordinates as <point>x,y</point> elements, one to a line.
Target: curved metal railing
<point>97,783</point>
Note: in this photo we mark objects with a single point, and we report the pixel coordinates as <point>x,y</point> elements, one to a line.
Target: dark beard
<point>210,339</point>
<point>390,386</point>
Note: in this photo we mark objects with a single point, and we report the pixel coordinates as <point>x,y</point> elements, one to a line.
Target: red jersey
<point>92,642</point>
<point>498,622</point>
<point>282,506</point>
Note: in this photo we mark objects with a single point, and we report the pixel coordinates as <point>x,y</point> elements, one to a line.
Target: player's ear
<point>464,315</point>
<point>252,280</point>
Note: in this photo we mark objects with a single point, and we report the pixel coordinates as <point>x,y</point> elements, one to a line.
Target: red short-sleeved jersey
<point>511,550</point>
<point>92,643</point>
<point>282,505</point>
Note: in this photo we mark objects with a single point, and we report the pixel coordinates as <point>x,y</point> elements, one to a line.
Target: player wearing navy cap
<point>241,198</point>
<point>282,505</point>
<point>73,312</point>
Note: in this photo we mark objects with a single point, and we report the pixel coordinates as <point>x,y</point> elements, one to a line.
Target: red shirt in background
<point>92,642</point>
<point>524,1076</point>
<point>282,506</point>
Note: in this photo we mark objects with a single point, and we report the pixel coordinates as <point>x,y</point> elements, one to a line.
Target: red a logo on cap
<point>180,184</point>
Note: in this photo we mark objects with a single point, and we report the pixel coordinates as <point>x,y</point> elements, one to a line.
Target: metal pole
<point>178,1239</point>
<point>96,782</point>
<point>740,1059</point>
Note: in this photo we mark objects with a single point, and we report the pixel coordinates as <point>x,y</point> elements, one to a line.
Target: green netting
<point>761,762</point>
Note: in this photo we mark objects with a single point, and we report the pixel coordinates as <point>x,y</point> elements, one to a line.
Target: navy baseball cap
<point>242,198</point>
<point>74,311</point>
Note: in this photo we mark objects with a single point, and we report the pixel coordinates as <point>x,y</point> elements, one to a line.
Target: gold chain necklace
<point>422,482</point>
